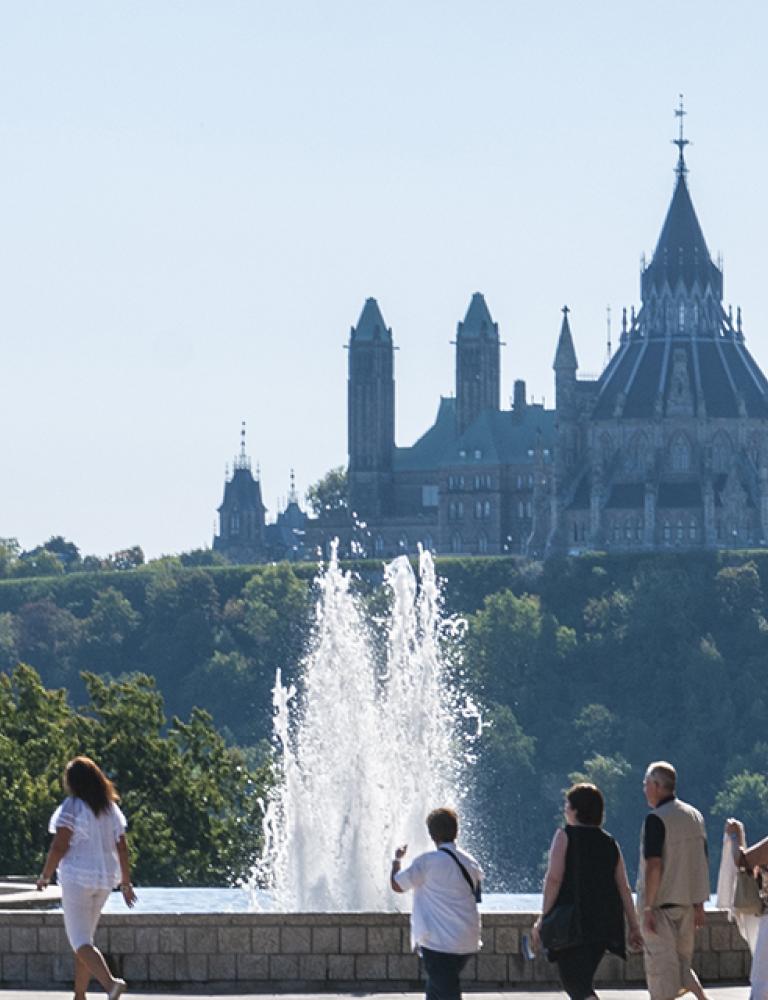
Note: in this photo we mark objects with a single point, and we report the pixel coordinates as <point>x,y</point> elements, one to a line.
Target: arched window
<point>692,532</point>
<point>722,450</point>
<point>520,508</point>
<point>667,531</point>
<point>456,543</point>
<point>681,316</point>
<point>639,529</point>
<point>680,530</point>
<point>486,508</point>
<point>638,453</point>
<point>234,523</point>
<point>680,453</point>
<point>378,545</point>
<point>482,543</point>
<point>478,509</point>
<point>528,508</point>
<point>452,511</point>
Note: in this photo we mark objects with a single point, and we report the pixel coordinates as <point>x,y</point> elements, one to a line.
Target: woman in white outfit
<point>754,929</point>
<point>90,852</point>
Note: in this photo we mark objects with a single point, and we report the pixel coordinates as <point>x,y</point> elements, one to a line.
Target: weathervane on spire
<point>242,461</point>
<point>681,142</point>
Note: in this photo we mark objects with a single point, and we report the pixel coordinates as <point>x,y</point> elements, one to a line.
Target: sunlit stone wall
<point>327,951</point>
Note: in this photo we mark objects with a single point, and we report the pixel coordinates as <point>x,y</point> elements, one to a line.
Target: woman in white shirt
<point>90,852</point>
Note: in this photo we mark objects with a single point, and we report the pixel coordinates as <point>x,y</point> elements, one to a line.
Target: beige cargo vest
<point>685,869</point>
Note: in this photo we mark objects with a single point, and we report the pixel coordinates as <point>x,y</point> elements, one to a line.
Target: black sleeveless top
<point>590,883</point>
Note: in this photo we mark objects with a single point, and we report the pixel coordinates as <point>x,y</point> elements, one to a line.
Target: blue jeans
<point>443,970</point>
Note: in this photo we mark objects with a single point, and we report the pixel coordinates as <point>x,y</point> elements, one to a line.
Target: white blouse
<point>91,860</point>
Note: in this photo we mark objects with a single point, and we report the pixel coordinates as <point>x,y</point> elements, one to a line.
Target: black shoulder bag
<point>476,889</point>
<point>561,926</point>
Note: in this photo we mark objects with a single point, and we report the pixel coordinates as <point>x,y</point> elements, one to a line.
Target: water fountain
<point>369,744</point>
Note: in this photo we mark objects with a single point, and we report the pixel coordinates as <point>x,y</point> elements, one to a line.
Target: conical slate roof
<point>478,321</point>
<point>371,325</point>
<point>682,354</point>
<point>565,355</point>
<point>242,491</point>
<point>681,253</point>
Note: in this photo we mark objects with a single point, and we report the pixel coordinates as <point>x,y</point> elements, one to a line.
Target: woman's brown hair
<point>587,802</point>
<point>85,780</point>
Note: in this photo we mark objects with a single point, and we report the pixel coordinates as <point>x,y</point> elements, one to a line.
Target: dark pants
<point>443,970</point>
<point>577,967</point>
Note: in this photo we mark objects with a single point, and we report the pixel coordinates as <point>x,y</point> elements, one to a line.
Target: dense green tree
<point>107,633</point>
<point>329,494</point>
<point>192,802</point>
<point>39,562</point>
<point>745,796</point>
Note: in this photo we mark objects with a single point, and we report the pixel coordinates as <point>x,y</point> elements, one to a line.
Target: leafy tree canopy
<point>192,802</point>
<point>329,494</point>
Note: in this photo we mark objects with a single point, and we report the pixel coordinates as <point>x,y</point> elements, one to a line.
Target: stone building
<point>666,449</point>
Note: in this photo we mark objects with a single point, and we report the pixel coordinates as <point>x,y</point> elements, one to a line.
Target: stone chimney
<point>518,398</point>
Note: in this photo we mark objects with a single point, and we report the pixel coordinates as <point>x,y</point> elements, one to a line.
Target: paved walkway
<point>714,992</point>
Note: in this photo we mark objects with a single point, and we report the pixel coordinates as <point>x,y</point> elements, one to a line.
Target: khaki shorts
<point>669,952</point>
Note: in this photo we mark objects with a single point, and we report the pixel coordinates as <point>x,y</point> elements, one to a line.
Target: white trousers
<point>82,909</point>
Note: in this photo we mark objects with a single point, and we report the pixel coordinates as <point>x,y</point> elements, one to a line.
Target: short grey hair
<point>663,774</point>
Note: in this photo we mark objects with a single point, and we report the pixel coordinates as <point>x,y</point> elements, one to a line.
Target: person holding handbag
<point>90,853</point>
<point>445,922</point>
<point>586,895</point>
<point>750,863</point>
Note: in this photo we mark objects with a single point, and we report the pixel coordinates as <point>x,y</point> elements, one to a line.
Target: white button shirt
<point>445,916</point>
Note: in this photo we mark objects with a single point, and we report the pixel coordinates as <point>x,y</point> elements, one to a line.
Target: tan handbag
<point>746,896</point>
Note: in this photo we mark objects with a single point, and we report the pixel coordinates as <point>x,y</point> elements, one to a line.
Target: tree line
<point>585,667</point>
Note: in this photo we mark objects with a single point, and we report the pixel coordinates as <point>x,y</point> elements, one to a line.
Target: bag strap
<point>464,871</point>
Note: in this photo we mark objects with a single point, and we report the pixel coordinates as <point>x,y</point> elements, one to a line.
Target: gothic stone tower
<point>477,364</point>
<point>241,514</point>
<point>371,414</point>
<point>669,447</point>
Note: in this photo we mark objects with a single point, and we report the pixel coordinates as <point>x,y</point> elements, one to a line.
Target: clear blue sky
<point>196,198</point>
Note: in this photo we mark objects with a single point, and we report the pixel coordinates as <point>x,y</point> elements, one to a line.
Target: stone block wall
<point>327,951</point>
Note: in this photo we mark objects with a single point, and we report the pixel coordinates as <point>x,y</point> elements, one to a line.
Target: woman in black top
<point>586,868</point>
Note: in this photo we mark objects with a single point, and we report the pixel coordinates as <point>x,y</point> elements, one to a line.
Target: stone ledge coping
<point>323,952</point>
<point>24,896</point>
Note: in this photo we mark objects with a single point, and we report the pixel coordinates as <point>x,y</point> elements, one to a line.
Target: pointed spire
<point>681,170</point>
<point>292,494</point>
<point>681,253</point>
<point>565,355</point>
<point>371,325</point>
<point>242,460</point>
<point>478,321</point>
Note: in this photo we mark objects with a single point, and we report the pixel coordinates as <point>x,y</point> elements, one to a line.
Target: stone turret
<point>477,364</point>
<point>371,413</point>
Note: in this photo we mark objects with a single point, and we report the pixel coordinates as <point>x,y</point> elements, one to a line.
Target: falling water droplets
<point>374,739</point>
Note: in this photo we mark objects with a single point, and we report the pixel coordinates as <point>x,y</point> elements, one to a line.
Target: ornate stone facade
<point>666,449</point>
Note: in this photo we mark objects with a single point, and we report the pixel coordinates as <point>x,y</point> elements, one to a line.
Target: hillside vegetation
<point>589,666</point>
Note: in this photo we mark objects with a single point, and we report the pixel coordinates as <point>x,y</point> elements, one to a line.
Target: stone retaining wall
<point>328,951</point>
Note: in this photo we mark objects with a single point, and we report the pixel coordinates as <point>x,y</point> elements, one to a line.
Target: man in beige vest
<point>672,885</point>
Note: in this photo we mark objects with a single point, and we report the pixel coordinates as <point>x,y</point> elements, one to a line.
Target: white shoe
<point>118,989</point>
